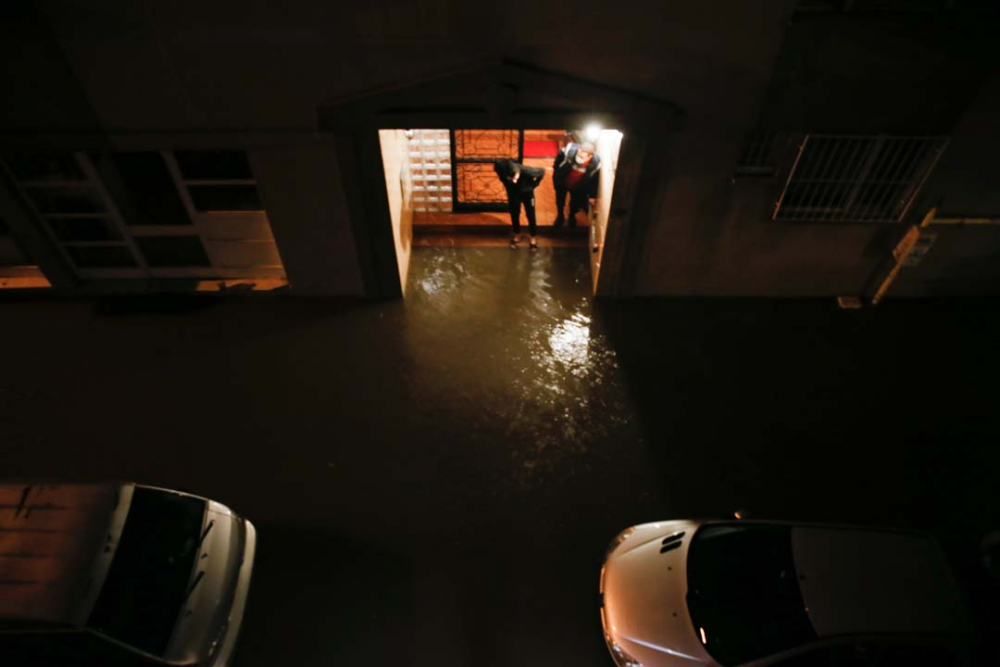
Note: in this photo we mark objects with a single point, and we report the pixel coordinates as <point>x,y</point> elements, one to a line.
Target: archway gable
<point>495,94</point>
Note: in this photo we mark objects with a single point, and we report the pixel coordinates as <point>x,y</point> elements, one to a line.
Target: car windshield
<point>151,570</point>
<point>743,592</point>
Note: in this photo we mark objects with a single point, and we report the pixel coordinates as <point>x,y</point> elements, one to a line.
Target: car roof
<point>857,579</point>
<point>873,581</point>
<point>50,538</point>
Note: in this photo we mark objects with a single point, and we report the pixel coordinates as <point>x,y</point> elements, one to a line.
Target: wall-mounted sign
<point>916,253</point>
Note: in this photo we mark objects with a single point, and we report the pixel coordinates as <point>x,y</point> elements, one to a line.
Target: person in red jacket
<point>575,172</point>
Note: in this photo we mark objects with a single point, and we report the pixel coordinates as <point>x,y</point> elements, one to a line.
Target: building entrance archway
<point>494,97</point>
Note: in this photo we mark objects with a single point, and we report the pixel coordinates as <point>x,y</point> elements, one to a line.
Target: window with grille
<point>68,197</point>
<point>845,178</point>
<point>477,187</point>
<point>154,213</point>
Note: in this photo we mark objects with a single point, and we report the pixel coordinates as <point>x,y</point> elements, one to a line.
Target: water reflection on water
<point>514,332</point>
<point>569,344</point>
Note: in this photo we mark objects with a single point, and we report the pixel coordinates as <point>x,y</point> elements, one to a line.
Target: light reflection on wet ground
<point>545,369</point>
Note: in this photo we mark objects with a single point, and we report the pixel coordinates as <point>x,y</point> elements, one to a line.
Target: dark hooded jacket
<point>528,181</point>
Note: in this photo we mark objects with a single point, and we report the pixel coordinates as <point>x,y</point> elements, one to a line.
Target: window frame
<point>241,235</point>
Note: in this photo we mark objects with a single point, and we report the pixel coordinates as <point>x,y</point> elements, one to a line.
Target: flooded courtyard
<point>435,479</point>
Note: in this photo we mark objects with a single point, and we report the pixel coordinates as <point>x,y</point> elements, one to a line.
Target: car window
<point>743,592</point>
<point>151,570</point>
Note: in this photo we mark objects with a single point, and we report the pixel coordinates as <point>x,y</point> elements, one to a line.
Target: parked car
<point>119,574</point>
<point>685,593</point>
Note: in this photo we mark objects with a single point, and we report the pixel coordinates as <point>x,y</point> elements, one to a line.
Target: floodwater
<point>434,480</point>
<point>541,368</point>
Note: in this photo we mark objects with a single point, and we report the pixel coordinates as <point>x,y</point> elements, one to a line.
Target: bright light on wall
<point>592,132</point>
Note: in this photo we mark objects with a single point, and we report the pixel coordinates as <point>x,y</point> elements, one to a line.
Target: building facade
<point>812,148</point>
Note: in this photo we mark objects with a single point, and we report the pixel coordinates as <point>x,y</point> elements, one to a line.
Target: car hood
<point>902,579</point>
<point>645,607</point>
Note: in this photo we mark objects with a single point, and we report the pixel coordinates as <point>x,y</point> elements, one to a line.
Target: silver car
<point>120,574</point>
<point>686,593</point>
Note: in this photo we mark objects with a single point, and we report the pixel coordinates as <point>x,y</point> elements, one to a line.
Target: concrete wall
<point>965,181</point>
<point>895,74</point>
<point>399,188</point>
<point>964,259</point>
<point>300,186</point>
<point>41,88</point>
<point>10,252</point>
<point>231,64</point>
<point>714,235</point>
<point>608,144</point>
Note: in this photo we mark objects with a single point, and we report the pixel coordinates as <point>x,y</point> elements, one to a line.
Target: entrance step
<point>495,236</point>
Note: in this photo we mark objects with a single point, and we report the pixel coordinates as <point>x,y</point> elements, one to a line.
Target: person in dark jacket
<point>520,182</point>
<point>575,172</point>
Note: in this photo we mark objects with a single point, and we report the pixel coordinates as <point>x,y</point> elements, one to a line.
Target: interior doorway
<point>442,189</point>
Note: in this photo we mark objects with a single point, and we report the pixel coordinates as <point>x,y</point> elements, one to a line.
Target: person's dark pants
<point>577,202</point>
<point>514,202</point>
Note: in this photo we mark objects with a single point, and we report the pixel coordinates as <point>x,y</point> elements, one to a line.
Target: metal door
<point>477,187</point>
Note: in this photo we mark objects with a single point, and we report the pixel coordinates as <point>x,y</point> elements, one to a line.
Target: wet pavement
<point>435,480</point>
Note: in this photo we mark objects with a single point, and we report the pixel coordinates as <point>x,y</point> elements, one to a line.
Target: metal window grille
<point>755,159</point>
<point>845,178</point>
<point>477,187</point>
